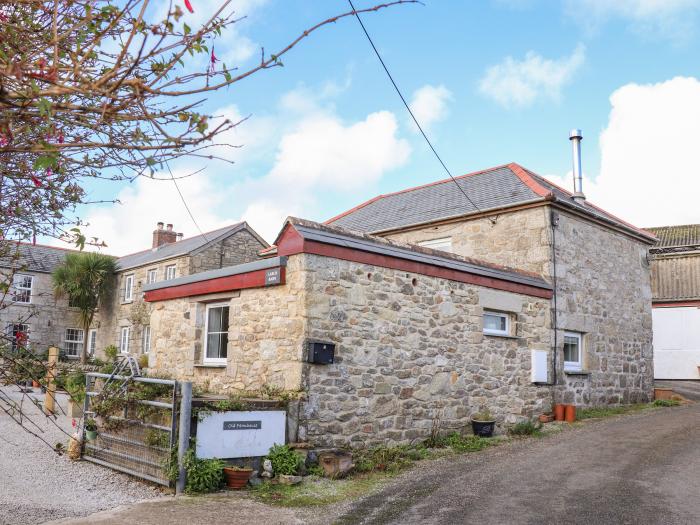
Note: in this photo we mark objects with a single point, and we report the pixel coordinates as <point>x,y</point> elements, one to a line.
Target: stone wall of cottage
<point>411,353</point>
<point>604,291</point>
<point>239,248</point>
<point>516,239</point>
<point>266,337</point>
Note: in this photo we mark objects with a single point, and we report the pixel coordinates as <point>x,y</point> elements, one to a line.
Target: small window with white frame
<point>573,352</point>
<point>18,334</point>
<point>444,244</point>
<point>128,288</point>
<point>22,288</point>
<point>146,339</point>
<point>496,323</point>
<point>170,272</point>
<point>124,340</point>
<point>152,275</point>
<point>92,341</point>
<point>73,342</point>
<point>216,334</point>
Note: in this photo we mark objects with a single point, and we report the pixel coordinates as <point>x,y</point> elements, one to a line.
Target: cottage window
<point>496,323</point>
<point>216,334</point>
<point>170,272</point>
<point>128,288</point>
<point>152,275</point>
<point>73,342</point>
<point>22,288</point>
<point>573,351</point>
<point>18,334</point>
<point>146,339</point>
<point>124,340</point>
<point>92,341</point>
<point>444,244</point>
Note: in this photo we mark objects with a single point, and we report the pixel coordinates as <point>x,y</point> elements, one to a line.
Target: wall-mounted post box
<point>320,353</point>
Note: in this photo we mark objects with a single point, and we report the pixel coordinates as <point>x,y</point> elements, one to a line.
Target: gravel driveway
<point>37,485</point>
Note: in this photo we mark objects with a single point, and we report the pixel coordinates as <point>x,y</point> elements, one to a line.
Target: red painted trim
<point>668,304</point>
<point>289,241</point>
<point>240,281</point>
<point>528,180</point>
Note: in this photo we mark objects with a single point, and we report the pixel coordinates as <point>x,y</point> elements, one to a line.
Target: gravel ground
<point>38,485</point>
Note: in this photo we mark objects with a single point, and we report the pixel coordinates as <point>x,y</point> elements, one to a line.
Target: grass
<point>601,412</point>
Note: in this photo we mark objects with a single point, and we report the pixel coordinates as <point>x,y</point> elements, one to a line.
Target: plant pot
<point>569,413</point>
<point>546,418</point>
<point>483,428</point>
<point>237,478</point>
<point>91,435</point>
<point>36,384</point>
<point>559,412</point>
<point>663,393</point>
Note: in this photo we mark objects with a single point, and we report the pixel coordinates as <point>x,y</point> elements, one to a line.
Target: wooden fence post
<point>50,399</point>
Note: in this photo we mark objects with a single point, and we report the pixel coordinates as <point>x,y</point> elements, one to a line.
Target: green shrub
<point>203,475</point>
<point>284,460</point>
<point>74,384</point>
<point>666,403</point>
<point>525,428</point>
<point>111,352</point>
<point>389,459</point>
<point>460,443</point>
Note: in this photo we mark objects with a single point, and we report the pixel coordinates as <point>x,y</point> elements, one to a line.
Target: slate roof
<point>490,190</point>
<point>35,257</point>
<point>180,248</point>
<point>682,236</point>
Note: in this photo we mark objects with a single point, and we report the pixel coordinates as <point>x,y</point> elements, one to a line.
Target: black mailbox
<point>320,353</point>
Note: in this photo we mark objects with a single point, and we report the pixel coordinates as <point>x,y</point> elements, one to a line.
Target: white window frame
<point>443,243</point>
<point>16,289</point>
<point>129,288</point>
<point>11,332</point>
<point>146,339</point>
<point>503,315</point>
<point>92,341</point>
<point>77,344</point>
<point>574,366</point>
<point>213,360</point>
<point>170,272</point>
<point>124,334</point>
<point>152,275</point>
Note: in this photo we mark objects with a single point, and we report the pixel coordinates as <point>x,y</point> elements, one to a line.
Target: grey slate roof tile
<point>35,257</point>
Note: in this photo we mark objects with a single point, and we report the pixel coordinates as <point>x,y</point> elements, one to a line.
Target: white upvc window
<point>92,341</point>
<point>496,323</point>
<point>152,275</point>
<point>216,333</point>
<point>22,288</point>
<point>19,335</point>
<point>128,288</point>
<point>73,342</point>
<point>170,272</point>
<point>146,339</point>
<point>573,351</point>
<point>124,340</point>
<point>444,244</point>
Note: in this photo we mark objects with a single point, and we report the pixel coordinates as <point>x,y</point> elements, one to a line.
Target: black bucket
<point>483,428</point>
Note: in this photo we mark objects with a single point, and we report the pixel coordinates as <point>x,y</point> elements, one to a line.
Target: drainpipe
<point>554,221</point>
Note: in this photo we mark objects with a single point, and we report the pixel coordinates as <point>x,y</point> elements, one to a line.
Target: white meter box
<point>240,434</point>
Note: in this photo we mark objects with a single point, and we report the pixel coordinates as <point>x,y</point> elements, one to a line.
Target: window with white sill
<point>128,288</point>
<point>22,288</point>
<point>170,272</point>
<point>216,334</point>
<point>124,340</point>
<point>73,342</point>
<point>573,352</point>
<point>152,275</point>
<point>496,323</point>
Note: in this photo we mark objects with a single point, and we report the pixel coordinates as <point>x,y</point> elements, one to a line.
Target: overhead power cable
<point>182,198</point>
<point>408,108</point>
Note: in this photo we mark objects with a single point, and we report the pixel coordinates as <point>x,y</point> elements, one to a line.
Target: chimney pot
<point>160,225</point>
<point>169,227</point>
<point>575,136</point>
<point>161,236</point>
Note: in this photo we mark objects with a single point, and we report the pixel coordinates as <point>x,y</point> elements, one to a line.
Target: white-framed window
<point>73,342</point>
<point>152,275</point>
<point>19,335</point>
<point>444,244</point>
<point>22,288</point>
<point>124,340</point>
<point>496,323</point>
<point>216,333</point>
<point>128,288</point>
<point>92,341</point>
<point>170,272</point>
<point>146,339</point>
<point>573,351</point>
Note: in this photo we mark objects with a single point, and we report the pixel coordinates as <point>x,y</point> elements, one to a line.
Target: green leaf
<point>187,29</point>
<point>45,161</point>
<point>44,107</point>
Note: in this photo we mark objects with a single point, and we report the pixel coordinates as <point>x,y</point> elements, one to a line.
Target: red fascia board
<point>670,304</point>
<point>229,283</point>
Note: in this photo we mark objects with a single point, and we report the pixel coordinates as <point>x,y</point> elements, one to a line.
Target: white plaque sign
<point>240,434</point>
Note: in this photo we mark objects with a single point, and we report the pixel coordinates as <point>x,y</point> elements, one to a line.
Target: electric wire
<point>182,198</point>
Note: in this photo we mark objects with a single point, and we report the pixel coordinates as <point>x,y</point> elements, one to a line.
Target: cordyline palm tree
<point>86,278</point>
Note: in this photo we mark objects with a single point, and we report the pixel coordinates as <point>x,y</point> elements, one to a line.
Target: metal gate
<point>136,419</point>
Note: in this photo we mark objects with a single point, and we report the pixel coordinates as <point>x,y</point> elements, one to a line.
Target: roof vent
<point>575,137</point>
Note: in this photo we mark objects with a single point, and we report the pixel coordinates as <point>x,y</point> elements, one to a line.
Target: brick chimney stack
<point>163,236</point>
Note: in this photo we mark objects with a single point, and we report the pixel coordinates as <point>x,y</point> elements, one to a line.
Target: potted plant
<point>237,477</point>
<point>90,429</point>
<point>483,423</point>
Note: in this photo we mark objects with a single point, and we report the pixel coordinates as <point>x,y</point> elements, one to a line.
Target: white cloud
<point>429,105</point>
<point>649,171</point>
<point>519,83</point>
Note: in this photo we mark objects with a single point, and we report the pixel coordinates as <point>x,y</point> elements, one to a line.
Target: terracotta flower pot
<point>546,418</point>
<point>558,412</point>
<point>569,413</point>
<point>236,478</point>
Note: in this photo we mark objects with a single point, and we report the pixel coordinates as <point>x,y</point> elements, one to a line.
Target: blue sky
<point>493,82</point>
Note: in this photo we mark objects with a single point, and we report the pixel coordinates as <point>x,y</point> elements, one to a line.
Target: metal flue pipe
<point>575,137</point>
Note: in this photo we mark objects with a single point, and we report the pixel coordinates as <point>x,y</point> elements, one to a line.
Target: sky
<point>492,82</point>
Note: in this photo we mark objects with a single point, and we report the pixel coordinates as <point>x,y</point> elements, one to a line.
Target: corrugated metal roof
<point>675,278</point>
<point>35,257</point>
<point>176,249</point>
<point>677,236</point>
